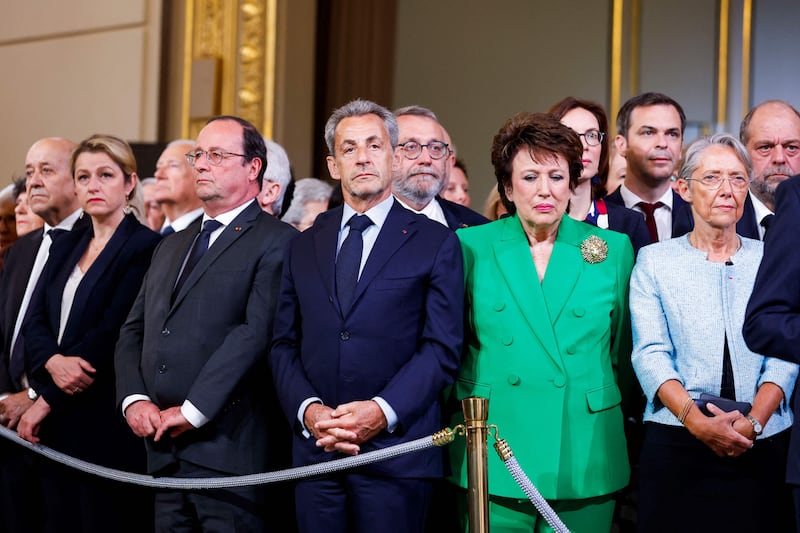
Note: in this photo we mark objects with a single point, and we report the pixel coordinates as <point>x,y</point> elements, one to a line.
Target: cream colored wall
<point>75,68</point>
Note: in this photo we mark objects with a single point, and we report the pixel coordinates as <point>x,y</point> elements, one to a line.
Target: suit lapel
<point>232,233</point>
<point>326,238</point>
<point>565,267</point>
<point>514,262</point>
<point>396,231</point>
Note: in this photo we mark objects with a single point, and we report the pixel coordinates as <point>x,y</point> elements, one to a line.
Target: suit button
<point>571,349</point>
<point>579,312</point>
<point>508,340</point>
<point>162,368</point>
<point>344,335</point>
<point>165,332</point>
<point>513,379</point>
<point>499,306</point>
<point>559,381</point>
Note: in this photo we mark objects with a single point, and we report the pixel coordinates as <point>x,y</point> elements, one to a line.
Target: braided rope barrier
<point>439,438</point>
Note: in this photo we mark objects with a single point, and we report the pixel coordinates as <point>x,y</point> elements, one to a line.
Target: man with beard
<point>424,167</point>
<point>649,136</point>
<point>771,133</point>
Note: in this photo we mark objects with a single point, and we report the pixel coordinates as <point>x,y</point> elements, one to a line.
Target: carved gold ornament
<point>594,250</point>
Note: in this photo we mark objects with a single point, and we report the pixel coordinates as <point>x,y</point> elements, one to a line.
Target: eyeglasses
<point>214,157</point>
<point>593,137</point>
<point>712,182</point>
<point>413,149</point>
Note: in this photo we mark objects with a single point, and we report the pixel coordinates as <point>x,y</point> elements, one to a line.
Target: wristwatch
<point>756,424</point>
<point>32,394</point>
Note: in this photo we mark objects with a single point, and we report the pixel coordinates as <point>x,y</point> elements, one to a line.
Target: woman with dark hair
<point>546,325</point>
<point>589,121</point>
<point>87,289</point>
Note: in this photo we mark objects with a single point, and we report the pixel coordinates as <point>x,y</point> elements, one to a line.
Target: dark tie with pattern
<point>197,251</point>
<point>16,363</point>
<point>348,261</point>
<point>649,219</point>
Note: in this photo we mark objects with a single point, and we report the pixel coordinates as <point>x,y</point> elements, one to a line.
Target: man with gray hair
<point>352,373</point>
<point>175,187</point>
<point>424,169</point>
<point>277,178</point>
<point>771,133</point>
<point>310,198</point>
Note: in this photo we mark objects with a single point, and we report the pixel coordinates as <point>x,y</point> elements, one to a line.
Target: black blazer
<point>682,221</point>
<point>629,222</point>
<point>458,216</point>
<point>17,265</point>
<point>86,425</point>
<point>772,321</point>
<point>209,346</point>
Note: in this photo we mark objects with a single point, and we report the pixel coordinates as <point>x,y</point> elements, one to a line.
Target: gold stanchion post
<point>476,412</point>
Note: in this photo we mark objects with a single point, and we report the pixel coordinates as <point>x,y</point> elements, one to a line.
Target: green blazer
<point>546,357</point>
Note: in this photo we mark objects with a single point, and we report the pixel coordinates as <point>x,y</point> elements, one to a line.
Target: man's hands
<point>147,420</point>
<point>343,429</point>
<point>13,407</point>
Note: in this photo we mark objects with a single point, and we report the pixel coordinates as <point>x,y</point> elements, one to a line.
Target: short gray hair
<point>306,190</point>
<point>279,170</point>
<point>695,152</point>
<point>417,111</point>
<point>359,108</point>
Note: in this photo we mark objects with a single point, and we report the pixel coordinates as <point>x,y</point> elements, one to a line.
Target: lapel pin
<point>237,228</point>
<point>404,231</point>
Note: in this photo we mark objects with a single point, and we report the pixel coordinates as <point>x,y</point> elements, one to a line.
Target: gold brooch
<point>594,250</point>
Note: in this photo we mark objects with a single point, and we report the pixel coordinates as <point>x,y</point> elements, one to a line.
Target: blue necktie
<point>348,261</point>
<point>166,231</point>
<point>197,251</point>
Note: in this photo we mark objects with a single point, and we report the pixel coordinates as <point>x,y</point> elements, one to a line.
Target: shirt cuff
<point>302,411</point>
<point>388,412</point>
<point>193,415</point>
<point>133,398</point>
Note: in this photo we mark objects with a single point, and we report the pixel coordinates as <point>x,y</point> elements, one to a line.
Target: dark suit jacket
<point>210,345</point>
<point>682,222</point>
<point>401,339</point>
<point>458,216</point>
<point>772,321</point>
<point>629,222</point>
<point>87,425</point>
<point>17,266</point>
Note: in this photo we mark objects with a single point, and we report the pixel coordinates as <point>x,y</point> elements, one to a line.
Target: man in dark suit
<point>191,361</point>
<point>771,133</point>
<point>424,168</point>
<point>649,136</point>
<point>51,195</point>
<point>772,320</point>
<point>367,334</point>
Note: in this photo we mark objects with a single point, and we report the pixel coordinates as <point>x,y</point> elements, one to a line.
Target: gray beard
<point>408,188</point>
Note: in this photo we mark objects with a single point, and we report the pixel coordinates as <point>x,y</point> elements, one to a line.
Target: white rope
<point>534,496</point>
<point>288,474</point>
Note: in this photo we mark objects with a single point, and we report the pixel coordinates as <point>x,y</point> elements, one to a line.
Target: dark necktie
<point>16,364</point>
<point>199,248</point>
<point>649,219</point>
<point>348,261</point>
<point>765,223</point>
<point>167,231</point>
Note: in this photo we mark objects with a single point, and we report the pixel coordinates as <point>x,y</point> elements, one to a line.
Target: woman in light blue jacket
<point>722,469</point>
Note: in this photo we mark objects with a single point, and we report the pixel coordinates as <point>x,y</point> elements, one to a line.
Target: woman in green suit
<point>547,328</point>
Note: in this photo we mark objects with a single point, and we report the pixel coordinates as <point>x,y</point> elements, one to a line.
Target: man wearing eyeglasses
<point>771,134</point>
<point>174,189</point>
<point>191,361</point>
<point>425,162</point>
<point>368,333</point>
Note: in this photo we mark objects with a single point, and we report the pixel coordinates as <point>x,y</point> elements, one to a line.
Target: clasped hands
<point>147,420</point>
<point>346,427</point>
<point>727,434</point>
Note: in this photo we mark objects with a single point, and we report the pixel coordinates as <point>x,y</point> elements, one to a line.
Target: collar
<point>377,213</point>
<point>228,216</point>
<point>632,199</point>
<point>433,210</point>
<point>760,209</point>
<point>65,224</point>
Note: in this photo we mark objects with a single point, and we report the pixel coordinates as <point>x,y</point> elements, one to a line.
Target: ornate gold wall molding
<point>229,62</point>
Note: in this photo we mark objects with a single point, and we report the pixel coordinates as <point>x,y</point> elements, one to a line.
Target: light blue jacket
<point>682,306</point>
